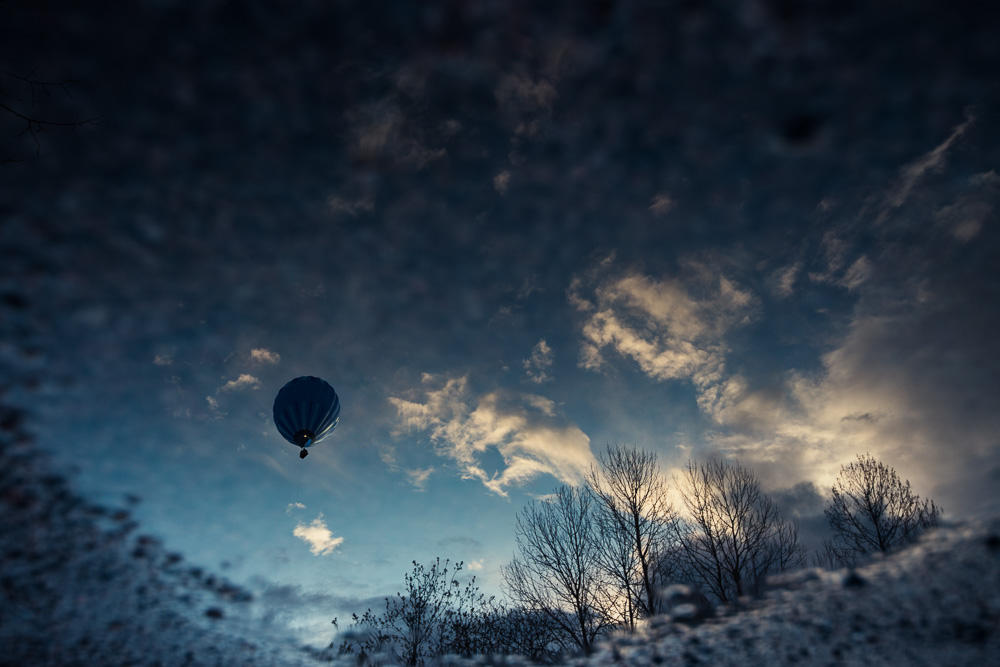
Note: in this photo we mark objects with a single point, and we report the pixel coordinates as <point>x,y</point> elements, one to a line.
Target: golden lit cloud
<point>264,356</point>
<point>527,432</point>
<point>244,381</point>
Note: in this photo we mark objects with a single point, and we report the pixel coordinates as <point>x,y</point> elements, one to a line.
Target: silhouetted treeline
<point>435,615</point>
<point>600,557</point>
<point>596,558</point>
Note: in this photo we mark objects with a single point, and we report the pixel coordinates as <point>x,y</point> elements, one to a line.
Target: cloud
<point>908,380</point>
<point>968,215</point>
<point>418,477</point>
<point>475,565</point>
<point>904,384</point>
<point>986,178</point>
<point>306,612</point>
<point>387,453</point>
<point>911,377</point>
<point>264,356</point>
<point>382,132</point>
<point>537,366</point>
<point>835,251</point>
<point>913,172</point>
<point>784,279</point>
<point>525,102</point>
<point>525,429</point>
<point>319,538</point>
<point>518,90</point>
<point>352,207</point>
<point>661,204</point>
<point>245,380</point>
<point>857,273</point>
<point>294,506</point>
<point>672,329</point>
<point>163,360</point>
<point>501,181</point>
<point>803,503</point>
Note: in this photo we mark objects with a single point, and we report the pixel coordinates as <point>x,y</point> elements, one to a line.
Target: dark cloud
<point>803,499</point>
<point>294,597</point>
<point>803,504</point>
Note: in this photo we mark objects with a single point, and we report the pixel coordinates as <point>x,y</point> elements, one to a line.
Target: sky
<point>508,237</point>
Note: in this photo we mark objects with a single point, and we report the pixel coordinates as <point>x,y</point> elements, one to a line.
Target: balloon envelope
<point>306,410</point>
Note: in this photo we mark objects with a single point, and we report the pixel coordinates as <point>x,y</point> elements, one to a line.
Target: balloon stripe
<point>306,403</point>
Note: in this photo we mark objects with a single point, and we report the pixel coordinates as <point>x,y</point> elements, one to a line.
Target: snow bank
<point>937,603</point>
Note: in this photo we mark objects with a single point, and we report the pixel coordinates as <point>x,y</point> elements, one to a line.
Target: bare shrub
<point>872,510</point>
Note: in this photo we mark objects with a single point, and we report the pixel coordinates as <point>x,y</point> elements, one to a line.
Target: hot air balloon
<point>306,410</point>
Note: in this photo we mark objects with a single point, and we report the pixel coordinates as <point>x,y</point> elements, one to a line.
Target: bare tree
<point>734,536</point>
<point>436,616</point>
<point>635,521</point>
<point>826,556</point>
<point>557,569</point>
<point>433,617</point>
<point>872,510</point>
<point>621,580</point>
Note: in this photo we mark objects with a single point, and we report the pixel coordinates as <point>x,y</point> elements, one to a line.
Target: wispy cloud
<point>972,210</point>
<point>913,172</point>
<point>501,181</point>
<point>475,565</point>
<point>319,538</point>
<point>353,207</point>
<point>163,360</point>
<point>526,102</point>
<point>661,204</point>
<point>418,477</point>
<point>244,381</point>
<point>538,365</point>
<point>845,250</point>
<point>784,279</point>
<point>857,273</point>
<point>387,454</point>
<point>382,132</point>
<point>531,437</point>
<point>291,507</point>
<point>264,356</point>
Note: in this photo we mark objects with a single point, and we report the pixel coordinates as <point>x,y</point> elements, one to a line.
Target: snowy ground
<point>80,585</point>
<point>935,604</point>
